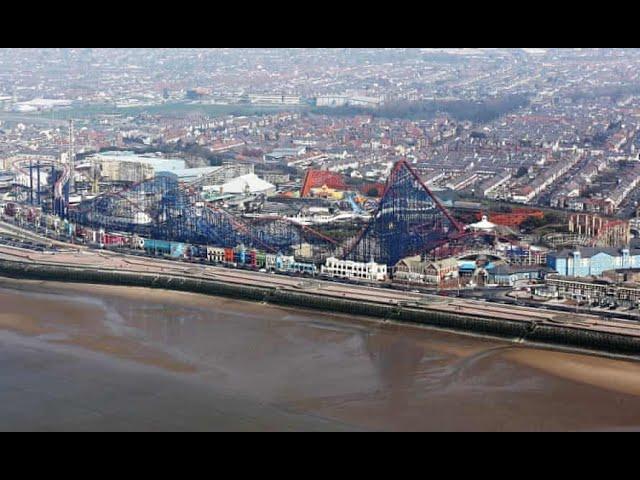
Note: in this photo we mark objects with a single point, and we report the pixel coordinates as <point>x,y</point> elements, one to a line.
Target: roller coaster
<point>409,220</point>
<point>160,208</point>
<point>59,176</point>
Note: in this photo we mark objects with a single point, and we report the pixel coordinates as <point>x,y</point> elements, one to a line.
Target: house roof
<point>445,262</point>
<point>510,269</point>
<point>415,264</point>
<point>588,252</point>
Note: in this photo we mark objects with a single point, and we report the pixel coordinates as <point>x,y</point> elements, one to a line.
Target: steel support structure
<point>409,220</point>
<point>161,209</point>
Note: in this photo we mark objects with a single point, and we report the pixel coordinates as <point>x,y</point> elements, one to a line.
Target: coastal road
<point>109,261</point>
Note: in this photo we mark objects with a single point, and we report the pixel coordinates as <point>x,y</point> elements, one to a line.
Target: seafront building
<point>586,261</point>
<point>371,270</point>
<point>514,275</point>
<point>609,289</point>
<point>414,269</point>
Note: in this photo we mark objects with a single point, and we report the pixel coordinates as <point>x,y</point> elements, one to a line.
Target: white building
<point>356,100</point>
<point>275,99</point>
<point>244,184</point>
<point>483,225</point>
<point>278,262</point>
<point>335,267</point>
<point>215,254</point>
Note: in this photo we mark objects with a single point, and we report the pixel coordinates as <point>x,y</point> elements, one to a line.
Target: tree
<point>553,218</point>
<point>532,223</point>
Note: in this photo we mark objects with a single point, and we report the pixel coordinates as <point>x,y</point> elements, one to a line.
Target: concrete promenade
<point>374,301</point>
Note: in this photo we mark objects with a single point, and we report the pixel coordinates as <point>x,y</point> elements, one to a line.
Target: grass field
<point>179,109</point>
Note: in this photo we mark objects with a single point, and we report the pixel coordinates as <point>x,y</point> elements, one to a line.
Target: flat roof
<point>158,163</point>
<point>193,172</point>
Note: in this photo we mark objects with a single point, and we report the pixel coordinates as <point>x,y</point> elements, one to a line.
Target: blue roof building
<point>513,275</point>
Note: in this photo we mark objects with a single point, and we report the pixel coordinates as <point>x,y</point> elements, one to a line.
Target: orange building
<point>320,178</point>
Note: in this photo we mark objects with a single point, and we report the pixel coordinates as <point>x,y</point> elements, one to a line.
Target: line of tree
<point>615,92</point>
<point>475,111</point>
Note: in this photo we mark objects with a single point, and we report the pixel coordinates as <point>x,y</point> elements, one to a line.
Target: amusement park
<point>400,232</point>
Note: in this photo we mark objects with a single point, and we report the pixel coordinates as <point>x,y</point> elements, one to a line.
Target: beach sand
<point>147,359</point>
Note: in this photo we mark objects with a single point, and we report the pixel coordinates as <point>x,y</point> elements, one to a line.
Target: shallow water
<point>85,357</point>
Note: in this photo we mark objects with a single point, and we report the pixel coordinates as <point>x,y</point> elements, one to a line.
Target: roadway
<point>11,231</point>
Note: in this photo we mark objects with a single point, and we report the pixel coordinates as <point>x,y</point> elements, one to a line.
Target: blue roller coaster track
<point>161,209</point>
<point>409,220</point>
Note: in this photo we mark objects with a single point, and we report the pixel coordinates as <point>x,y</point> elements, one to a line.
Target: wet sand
<point>85,357</point>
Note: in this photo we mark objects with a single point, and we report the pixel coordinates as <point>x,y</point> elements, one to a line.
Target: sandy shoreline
<point>615,375</point>
<point>357,371</point>
<point>77,325</point>
<point>594,369</point>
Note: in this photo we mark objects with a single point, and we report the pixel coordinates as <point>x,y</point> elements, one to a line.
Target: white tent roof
<point>483,224</point>
<point>241,183</point>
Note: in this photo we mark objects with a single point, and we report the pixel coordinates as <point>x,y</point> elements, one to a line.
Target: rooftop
<point>242,183</point>
<point>588,252</point>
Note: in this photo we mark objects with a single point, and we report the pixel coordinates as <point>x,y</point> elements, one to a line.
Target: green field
<point>179,109</point>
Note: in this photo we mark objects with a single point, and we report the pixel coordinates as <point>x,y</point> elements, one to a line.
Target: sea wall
<point>514,330</point>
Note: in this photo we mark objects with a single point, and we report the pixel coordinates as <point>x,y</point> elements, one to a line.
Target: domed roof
<point>483,224</point>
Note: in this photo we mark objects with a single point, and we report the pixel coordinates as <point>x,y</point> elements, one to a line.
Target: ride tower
<point>409,220</point>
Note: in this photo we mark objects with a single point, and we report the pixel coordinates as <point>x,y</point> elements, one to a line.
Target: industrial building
<point>218,175</point>
<point>285,152</point>
<point>123,167</point>
<point>159,164</point>
<point>116,170</point>
<point>190,175</point>
<point>355,99</point>
<point>274,99</point>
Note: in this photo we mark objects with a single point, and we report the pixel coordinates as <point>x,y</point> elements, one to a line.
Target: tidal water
<point>85,357</point>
